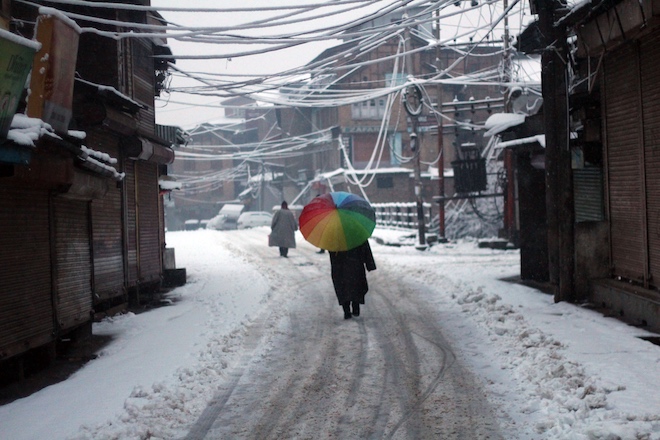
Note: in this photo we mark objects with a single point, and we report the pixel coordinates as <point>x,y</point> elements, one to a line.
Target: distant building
<point>359,125</point>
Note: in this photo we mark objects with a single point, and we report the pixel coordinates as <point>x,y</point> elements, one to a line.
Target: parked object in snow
<point>191,224</point>
<point>230,212</point>
<point>254,219</point>
<point>218,222</point>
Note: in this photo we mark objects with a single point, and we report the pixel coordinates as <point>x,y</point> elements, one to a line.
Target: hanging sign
<point>16,55</point>
<point>51,83</point>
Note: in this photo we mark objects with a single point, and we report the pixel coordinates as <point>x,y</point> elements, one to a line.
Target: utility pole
<point>509,159</point>
<point>413,102</point>
<point>263,186</point>
<point>415,147</point>
<point>441,152</point>
<point>559,179</point>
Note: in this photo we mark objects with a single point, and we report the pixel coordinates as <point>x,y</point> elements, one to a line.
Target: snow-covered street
<point>255,346</point>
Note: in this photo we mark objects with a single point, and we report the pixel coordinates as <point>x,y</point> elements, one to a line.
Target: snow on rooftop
<point>499,122</point>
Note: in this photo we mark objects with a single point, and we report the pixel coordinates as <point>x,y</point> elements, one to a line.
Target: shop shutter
<point>107,232</point>
<point>26,305</point>
<point>588,194</point>
<point>624,157</point>
<point>73,273</point>
<point>650,77</point>
<point>148,221</point>
<point>130,223</point>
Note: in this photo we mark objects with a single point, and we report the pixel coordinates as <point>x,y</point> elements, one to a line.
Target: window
<point>372,109</point>
<point>398,78</point>
<point>385,182</point>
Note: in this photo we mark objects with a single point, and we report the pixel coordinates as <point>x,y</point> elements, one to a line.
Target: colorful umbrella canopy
<point>337,221</point>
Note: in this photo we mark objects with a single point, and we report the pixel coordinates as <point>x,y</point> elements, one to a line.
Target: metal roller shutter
<point>73,273</point>
<point>148,221</point>
<point>130,223</point>
<point>107,236</point>
<point>625,166</point>
<point>588,194</point>
<point>650,77</point>
<point>26,305</point>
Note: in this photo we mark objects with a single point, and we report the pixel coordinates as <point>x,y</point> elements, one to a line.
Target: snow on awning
<point>499,122</point>
<point>99,162</point>
<point>168,183</point>
<point>25,131</point>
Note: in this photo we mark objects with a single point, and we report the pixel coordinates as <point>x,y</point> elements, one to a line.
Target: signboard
<point>16,55</point>
<point>51,82</point>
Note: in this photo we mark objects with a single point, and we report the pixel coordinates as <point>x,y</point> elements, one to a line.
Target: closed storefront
<point>72,269</point>
<point>130,224</point>
<point>650,77</point>
<point>632,110</point>
<point>26,306</point>
<point>625,164</point>
<point>107,236</point>
<point>149,228</point>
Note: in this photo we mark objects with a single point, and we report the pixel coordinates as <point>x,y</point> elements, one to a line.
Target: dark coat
<point>348,273</point>
<point>283,228</point>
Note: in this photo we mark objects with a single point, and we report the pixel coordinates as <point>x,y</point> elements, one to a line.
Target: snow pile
<point>548,380</point>
<point>535,359</point>
<point>567,398</point>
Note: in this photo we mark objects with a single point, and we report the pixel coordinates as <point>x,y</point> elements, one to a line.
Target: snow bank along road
<point>306,373</point>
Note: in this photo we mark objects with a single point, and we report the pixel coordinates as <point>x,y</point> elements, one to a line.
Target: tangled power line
<point>203,75</point>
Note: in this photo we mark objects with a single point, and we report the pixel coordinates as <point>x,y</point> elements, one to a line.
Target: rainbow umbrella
<point>337,221</point>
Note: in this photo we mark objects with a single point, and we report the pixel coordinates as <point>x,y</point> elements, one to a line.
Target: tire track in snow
<point>388,374</point>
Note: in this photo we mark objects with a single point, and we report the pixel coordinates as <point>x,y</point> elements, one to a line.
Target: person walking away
<point>283,228</point>
<point>349,277</point>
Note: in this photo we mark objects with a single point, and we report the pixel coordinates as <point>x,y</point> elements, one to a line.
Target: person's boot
<point>356,308</point>
<point>347,311</point>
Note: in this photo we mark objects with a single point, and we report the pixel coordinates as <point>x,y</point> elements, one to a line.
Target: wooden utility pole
<point>413,102</point>
<point>441,151</point>
<point>558,173</point>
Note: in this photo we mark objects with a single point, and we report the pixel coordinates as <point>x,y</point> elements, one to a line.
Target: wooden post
<point>559,179</point>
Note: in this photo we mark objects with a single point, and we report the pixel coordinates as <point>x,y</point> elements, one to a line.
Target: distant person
<point>349,277</point>
<point>283,228</point>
